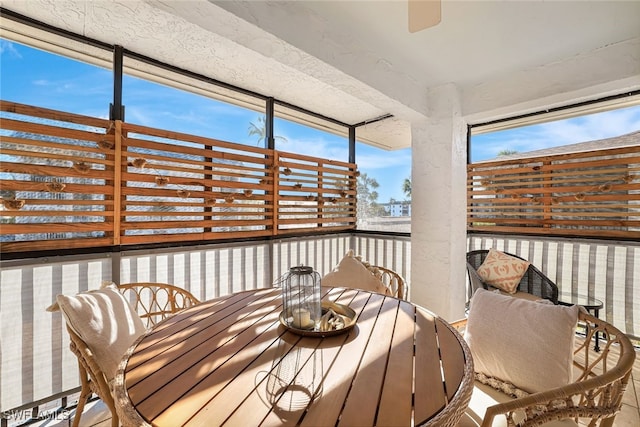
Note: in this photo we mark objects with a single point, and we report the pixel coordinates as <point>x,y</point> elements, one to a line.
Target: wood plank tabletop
<point>230,362</point>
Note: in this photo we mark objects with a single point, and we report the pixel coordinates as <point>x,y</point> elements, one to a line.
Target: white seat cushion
<point>483,397</point>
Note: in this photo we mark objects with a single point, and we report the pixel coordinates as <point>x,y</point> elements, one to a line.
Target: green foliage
<point>368,205</point>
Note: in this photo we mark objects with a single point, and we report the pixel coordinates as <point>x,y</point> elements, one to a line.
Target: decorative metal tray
<point>345,315</point>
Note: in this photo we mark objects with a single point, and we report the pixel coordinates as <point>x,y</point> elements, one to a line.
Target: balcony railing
<point>40,365</point>
<point>71,181</point>
<point>587,194</point>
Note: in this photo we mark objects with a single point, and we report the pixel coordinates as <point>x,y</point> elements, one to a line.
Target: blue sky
<point>579,129</point>
<point>34,77</point>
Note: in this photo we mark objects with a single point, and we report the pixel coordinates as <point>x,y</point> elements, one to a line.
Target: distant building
<point>397,208</point>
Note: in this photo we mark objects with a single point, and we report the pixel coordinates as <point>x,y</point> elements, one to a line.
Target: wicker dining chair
<point>595,395</point>
<point>393,281</point>
<point>153,302</point>
<point>533,282</point>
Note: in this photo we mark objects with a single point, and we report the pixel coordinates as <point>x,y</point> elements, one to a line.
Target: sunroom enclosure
<point>216,217</point>
<point>86,200</point>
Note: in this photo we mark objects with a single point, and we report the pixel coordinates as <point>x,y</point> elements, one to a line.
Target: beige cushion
<point>525,343</point>
<point>519,294</point>
<point>352,273</point>
<point>502,271</point>
<point>105,321</point>
<point>483,397</point>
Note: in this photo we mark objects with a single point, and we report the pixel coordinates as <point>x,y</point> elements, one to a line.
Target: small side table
<point>592,305</point>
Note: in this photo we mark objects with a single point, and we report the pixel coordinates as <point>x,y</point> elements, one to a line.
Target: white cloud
<point>7,47</point>
<point>564,132</point>
<point>593,127</point>
<point>384,160</point>
<point>135,115</point>
<point>316,147</point>
<point>371,160</point>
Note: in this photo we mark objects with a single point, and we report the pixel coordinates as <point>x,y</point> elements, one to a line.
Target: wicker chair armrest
<point>561,403</point>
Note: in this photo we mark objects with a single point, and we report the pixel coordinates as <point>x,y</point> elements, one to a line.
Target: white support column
<point>438,219</point>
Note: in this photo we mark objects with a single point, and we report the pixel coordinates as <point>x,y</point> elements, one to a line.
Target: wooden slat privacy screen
<point>71,181</point>
<point>590,194</point>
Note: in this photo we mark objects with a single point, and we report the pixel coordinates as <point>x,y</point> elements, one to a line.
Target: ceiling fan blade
<point>423,14</point>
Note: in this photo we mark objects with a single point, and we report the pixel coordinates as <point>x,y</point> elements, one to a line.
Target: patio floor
<point>97,415</point>
<point>630,413</point>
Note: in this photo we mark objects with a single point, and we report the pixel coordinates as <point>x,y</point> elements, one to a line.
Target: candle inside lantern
<point>302,319</point>
<point>301,298</point>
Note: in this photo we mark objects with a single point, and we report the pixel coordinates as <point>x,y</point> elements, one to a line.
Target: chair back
<point>534,281</point>
<point>393,281</point>
<point>156,301</point>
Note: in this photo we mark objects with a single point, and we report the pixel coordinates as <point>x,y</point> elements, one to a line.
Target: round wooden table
<point>230,362</point>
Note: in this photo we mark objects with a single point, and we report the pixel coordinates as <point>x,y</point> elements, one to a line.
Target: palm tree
<point>260,130</point>
<point>406,187</point>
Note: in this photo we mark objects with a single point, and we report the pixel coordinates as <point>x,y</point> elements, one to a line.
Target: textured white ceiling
<point>355,60</point>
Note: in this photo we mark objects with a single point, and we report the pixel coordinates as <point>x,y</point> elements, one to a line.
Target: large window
<point>163,99</point>
<point>384,189</point>
<point>43,79</point>
<point>192,162</point>
<point>314,186</point>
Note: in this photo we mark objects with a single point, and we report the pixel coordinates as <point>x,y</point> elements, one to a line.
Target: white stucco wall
<point>438,229</point>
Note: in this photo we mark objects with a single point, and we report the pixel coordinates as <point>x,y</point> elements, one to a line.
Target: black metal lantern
<point>301,298</point>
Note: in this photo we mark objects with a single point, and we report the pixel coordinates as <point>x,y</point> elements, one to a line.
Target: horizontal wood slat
<point>591,194</point>
<point>86,181</point>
